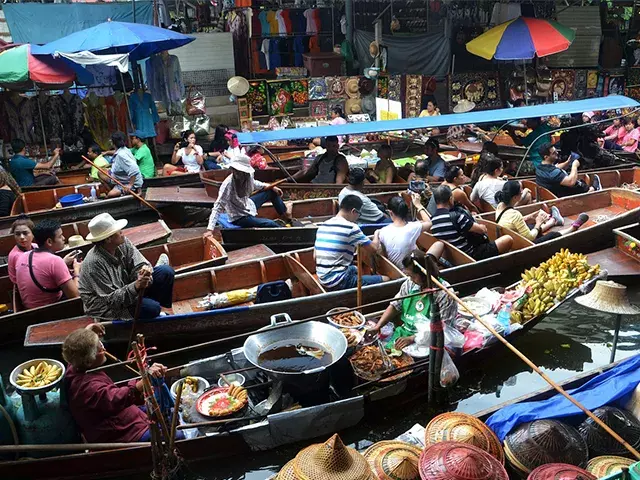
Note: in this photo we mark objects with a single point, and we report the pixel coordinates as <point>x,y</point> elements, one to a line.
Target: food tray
<point>204,402</point>
<point>35,390</point>
<point>334,311</point>
<point>369,375</point>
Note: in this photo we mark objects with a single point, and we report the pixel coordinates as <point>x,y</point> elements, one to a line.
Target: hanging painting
<point>336,87</point>
<point>395,88</point>
<point>482,88</point>
<point>563,84</point>
<point>337,102</point>
<point>614,85</point>
<point>383,86</point>
<point>319,109</point>
<point>592,83</point>
<point>581,84</point>
<point>280,97</point>
<point>413,96</point>
<point>317,89</point>
<point>633,85</point>
<point>257,98</point>
<point>300,91</point>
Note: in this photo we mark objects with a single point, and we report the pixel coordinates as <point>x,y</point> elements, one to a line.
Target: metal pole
<point>436,351</point>
<point>348,10</point>
<point>133,8</point>
<point>615,338</point>
<point>524,65</point>
<point>44,135</point>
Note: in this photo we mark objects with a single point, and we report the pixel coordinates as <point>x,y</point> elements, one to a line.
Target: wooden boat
<point>66,178</point>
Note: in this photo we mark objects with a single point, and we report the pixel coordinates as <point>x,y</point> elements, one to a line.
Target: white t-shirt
<point>400,241</point>
<point>190,162</point>
<point>486,189</point>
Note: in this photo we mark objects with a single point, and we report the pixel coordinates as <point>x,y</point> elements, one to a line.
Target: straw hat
<point>352,87</point>
<point>560,470</point>
<point>393,460</point>
<point>464,106</point>
<point>76,241</point>
<point>608,297</point>
<point>238,86</point>
<point>459,461</point>
<point>103,226</point>
<point>352,106</point>
<point>333,460</point>
<point>607,465</point>
<point>286,472</point>
<point>374,49</point>
<point>242,163</point>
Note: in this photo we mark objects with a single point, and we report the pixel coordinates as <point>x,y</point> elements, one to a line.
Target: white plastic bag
<point>449,374</point>
<point>452,338</point>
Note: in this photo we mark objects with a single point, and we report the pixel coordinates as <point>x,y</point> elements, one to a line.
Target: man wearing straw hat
<point>114,274</point>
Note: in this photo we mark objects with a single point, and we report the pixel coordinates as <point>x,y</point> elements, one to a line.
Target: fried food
<point>368,363</point>
<point>192,383</point>
<point>227,402</point>
<point>39,375</point>
<point>349,319</point>
<point>352,338</point>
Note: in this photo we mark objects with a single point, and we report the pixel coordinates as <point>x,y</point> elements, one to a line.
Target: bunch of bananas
<point>552,281</point>
<point>39,375</point>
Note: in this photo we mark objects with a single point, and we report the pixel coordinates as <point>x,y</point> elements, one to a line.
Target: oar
<point>116,359</point>
<point>359,291</point>
<point>135,195</point>
<point>526,360</point>
<point>65,447</point>
<point>270,186</point>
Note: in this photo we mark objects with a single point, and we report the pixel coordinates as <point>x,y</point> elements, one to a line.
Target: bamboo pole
<point>67,447</point>
<point>174,418</point>
<point>116,359</point>
<point>359,291</point>
<point>211,423</point>
<point>532,365</point>
<point>136,316</point>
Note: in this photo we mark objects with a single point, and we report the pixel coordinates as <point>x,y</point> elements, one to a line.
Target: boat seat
<point>225,222</point>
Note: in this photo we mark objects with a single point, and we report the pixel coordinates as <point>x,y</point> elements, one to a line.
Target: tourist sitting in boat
<point>417,308</point>
<point>457,226</point>
<point>330,167</point>
<point>94,152</point>
<point>435,163</point>
<point>399,238</point>
<point>538,129</point>
<point>336,242</point>
<point>124,168</point>
<point>507,216</point>
<point>630,140</point>
<point>491,182</point>
<point>370,212</point>
<point>478,169</point>
<point>217,154</point>
<point>114,274</point>
<point>385,170</point>
<point>454,178</point>
<point>614,134</point>
<point>189,153</point>
<point>236,199</point>
<point>142,155</point>
<point>42,277</point>
<point>103,411</point>
<point>28,172</point>
<point>553,177</point>
<point>22,230</point>
<point>9,190</point>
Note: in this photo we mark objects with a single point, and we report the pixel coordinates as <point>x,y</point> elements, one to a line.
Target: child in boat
<point>507,216</point>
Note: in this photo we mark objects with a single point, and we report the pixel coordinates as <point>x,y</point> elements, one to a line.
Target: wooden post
<point>359,292</point>
<point>436,352</point>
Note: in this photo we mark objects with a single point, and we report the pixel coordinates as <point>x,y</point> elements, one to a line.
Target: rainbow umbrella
<point>521,39</point>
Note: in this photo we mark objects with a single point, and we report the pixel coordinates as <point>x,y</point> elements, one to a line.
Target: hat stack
<point>555,471</point>
<point>459,461</point>
<point>602,443</point>
<point>607,465</point>
<point>394,460</point>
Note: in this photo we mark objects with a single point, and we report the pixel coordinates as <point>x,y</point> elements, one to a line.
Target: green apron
<point>414,309</point>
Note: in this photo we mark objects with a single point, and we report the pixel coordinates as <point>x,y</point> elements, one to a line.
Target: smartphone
<point>417,186</point>
<point>184,144</point>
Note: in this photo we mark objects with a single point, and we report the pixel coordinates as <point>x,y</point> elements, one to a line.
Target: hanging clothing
<point>73,120</point>
<point>264,24</point>
<point>265,50</point>
<point>116,113</point>
<point>143,114</point>
<point>312,27</point>
<point>96,120</point>
<point>273,22</point>
<point>105,78</point>
<point>239,28</point>
<point>282,28</point>
<point>164,78</point>
<point>54,113</point>
<point>298,50</point>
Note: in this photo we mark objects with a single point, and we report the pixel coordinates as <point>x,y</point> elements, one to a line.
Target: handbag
<point>200,125</point>
<point>195,102</point>
<point>273,292</point>
<point>177,125</point>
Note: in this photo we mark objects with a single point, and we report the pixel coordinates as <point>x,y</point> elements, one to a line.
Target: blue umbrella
<point>137,39</point>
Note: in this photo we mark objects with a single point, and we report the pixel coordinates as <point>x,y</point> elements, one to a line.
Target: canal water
<point>571,340</point>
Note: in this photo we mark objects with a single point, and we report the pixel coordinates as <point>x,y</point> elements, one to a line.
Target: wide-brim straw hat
<point>238,86</point>
<point>464,106</point>
<point>352,88</point>
<point>607,465</point>
<point>242,163</point>
<point>76,241</point>
<point>608,297</point>
<point>353,106</point>
<point>331,460</point>
<point>103,226</point>
<point>394,460</point>
<point>374,49</point>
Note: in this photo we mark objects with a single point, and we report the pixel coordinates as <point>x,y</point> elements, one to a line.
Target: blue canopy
<point>611,102</point>
<point>610,388</point>
<point>137,39</point>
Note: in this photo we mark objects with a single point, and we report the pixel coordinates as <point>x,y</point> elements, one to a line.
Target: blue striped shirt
<point>336,242</point>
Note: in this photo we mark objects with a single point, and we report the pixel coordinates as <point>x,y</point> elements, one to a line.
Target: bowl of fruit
<point>37,376</point>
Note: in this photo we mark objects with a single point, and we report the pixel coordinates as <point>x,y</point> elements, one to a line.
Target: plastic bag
<point>196,103</point>
<point>453,339</point>
<point>449,374</point>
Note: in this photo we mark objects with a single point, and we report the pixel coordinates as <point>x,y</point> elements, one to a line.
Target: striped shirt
<point>443,228</point>
<point>336,242</point>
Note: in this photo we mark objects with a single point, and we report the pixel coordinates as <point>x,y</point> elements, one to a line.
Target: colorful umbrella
<point>521,39</point>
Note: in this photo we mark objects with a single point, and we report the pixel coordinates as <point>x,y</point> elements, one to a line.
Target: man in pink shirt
<point>630,140</point>
<point>43,277</point>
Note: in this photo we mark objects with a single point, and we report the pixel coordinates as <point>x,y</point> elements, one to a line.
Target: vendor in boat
<point>553,177</point>
<point>335,245</point>
<point>491,182</point>
<point>94,152</point>
<point>103,411</point>
<point>370,211</point>
<point>330,167</point>
<point>114,273</point>
<point>507,216</point>
<point>218,154</point>
<point>28,172</point>
<point>539,129</point>
<point>22,230</point>
<point>42,277</point>
<point>124,168</point>
<point>454,178</point>
<point>236,199</point>
<point>385,170</point>
<point>417,308</point>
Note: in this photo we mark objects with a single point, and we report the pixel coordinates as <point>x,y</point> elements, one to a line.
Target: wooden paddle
<point>135,195</point>
<point>359,291</point>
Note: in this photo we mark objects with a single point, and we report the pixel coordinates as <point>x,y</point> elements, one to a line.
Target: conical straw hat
<point>331,460</point>
<point>394,460</point>
<point>286,472</point>
<point>608,297</point>
<point>607,465</point>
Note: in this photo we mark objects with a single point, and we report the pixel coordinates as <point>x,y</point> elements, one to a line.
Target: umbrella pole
<point>44,136</point>
<point>524,66</point>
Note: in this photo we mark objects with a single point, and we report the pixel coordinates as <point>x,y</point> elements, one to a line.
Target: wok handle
<point>314,370</point>
<point>274,319</point>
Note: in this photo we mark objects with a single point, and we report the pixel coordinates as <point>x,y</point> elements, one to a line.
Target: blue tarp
<point>39,23</point>
<point>612,102</point>
<point>613,387</point>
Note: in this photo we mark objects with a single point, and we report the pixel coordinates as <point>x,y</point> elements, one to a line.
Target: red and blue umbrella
<point>521,39</point>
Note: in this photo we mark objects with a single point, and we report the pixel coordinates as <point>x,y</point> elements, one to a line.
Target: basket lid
<point>560,471</point>
<point>331,459</point>
<point>459,461</point>
<point>620,421</point>
<point>541,442</point>
<point>464,428</point>
<point>607,464</point>
<point>286,472</point>
<point>394,460</point>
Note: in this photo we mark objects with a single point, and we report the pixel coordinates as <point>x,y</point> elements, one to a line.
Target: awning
<point>612,102</point>
<point>118,60</point>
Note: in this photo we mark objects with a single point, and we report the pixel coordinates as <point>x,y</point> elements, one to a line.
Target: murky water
<point>571,340</point>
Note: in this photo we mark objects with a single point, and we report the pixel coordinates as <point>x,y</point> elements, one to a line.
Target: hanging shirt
<point>273,22</point>
<point>116,112</point>
<point>266,45</point>
<point>164,78</point>
<point>96,120</point>
<point>264,24</point>
<point>144,158</point>
<point>104,79</point>
<point>282,27</point>
<point>298,50</point>
<point>311,22</point>
<point>143,114</point>
<point>124,166</point>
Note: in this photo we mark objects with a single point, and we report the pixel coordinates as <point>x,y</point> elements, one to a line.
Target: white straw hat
<point>464,106</point>
<point>76,241</point>
<point>103,226</point>
<point>608,297</point>
<point>238,86</point>
<point>242,163</point>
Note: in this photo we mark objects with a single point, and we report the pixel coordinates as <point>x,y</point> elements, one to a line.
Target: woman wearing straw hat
<point>234,197</point>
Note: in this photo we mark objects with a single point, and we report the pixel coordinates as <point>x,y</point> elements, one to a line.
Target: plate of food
<point>37,376</point>
<point>353,336</point>
<point>345,320</point>
<point>479,306</point>
<point>192,386</point>
<point>222,401</point>
<point>367,363</point>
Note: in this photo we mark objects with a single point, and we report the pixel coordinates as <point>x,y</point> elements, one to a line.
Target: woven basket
<point>393,460</point>
<point>331,460</point>
<point>620,421</point>
<point>459,461</point>
<point>557,471</point>
<point>544,441</point>
<point>607,465</point>
<point>286,472</point>
<point>464,428</point>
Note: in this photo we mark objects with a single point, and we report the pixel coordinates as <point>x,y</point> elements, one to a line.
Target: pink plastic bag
<point>472,339</point>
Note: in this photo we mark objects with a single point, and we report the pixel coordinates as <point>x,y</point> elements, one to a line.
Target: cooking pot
<point>313,334</point>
